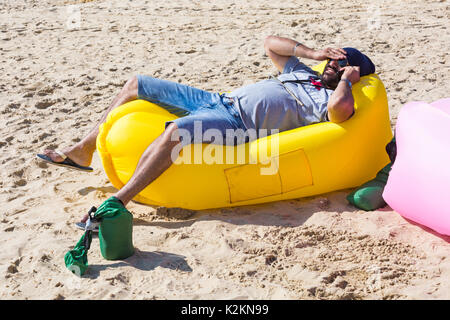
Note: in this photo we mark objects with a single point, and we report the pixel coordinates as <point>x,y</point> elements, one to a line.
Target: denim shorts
<point>204,117</point>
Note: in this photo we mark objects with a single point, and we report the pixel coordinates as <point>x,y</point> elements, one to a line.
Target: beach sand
<point>62,62</point>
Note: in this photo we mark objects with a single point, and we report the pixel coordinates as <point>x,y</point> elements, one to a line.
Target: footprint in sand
<point>20,183</point>
<point>44,104</point>
<point>176,213</point>
<point>45,91</point>
<point>31,202</point>
<point>13,267</point>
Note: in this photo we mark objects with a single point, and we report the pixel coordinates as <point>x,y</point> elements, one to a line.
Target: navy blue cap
<point>358,59</point>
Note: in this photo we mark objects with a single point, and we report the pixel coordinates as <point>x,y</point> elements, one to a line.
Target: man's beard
<point>331,82</point>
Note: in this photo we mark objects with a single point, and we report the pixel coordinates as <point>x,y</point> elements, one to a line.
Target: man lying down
<point>297,97</point>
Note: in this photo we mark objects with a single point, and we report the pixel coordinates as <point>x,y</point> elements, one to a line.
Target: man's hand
<point>351,73</point>
<point>329,53</point>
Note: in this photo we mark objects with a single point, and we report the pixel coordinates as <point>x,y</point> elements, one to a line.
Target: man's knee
<point>131,87</point>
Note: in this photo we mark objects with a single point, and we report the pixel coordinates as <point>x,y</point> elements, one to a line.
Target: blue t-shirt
<point>268,105</point>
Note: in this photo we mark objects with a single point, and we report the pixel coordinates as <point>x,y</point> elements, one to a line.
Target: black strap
<point>298,81</point>
<point>86,242</point>
<point>88,233</point>
<point>91,211</point>
<point>306,81</point>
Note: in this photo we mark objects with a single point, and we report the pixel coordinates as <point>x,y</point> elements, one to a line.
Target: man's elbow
<point>340,110</point>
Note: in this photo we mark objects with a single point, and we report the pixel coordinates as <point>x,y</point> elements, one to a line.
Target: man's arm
<point>341,104</point>
<point>281,49</point>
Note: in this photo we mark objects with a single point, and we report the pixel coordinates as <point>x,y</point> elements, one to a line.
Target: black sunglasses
<point>341,62</point>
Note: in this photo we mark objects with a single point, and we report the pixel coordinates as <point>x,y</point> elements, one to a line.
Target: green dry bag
<point>115,235</point>
<point>369,196</point>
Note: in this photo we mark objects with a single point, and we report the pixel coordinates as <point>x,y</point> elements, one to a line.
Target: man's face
<point>332,74</point>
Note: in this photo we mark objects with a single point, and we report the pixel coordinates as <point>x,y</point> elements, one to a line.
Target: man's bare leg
<point>156,159</point>
<point>81,153</point>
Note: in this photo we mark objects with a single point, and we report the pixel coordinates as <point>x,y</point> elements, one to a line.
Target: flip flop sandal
<point>67,162</point>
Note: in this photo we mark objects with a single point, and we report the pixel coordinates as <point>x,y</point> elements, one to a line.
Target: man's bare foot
<point>76,154</point>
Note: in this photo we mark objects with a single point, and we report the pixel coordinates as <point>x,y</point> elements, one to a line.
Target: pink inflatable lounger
<point>418,187</point>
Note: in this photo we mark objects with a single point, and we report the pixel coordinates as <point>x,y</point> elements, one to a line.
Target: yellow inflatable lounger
<point>302,162</point>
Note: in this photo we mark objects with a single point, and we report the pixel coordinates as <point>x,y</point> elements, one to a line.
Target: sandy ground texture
<point>62,62</point>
